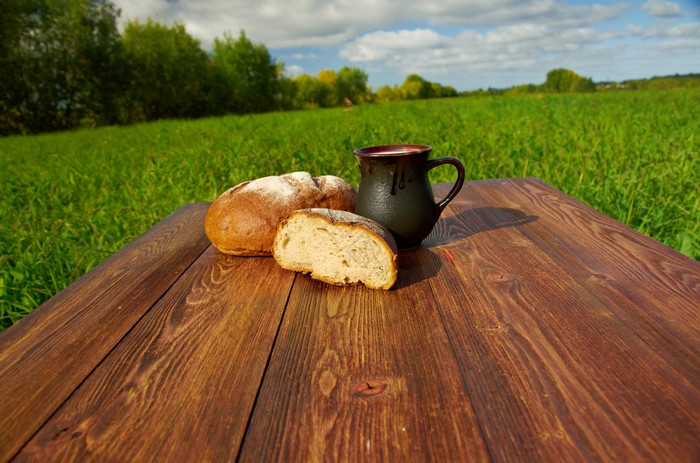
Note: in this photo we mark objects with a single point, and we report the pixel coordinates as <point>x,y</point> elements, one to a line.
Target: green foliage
<point>413,88</point>
<point>330,88</point>
<point>660,83</point>
<point>288,89</point>
<point>558,81</point>
<point>524,89</point>
<point>105,65</point>
<point>59,64</point>
<point>564,80</point>
<point>246,76</point>
<point>352,84</point>
<point>310,92</point>
<point>443,91</point>
<point>167,71</point>
<point>385,94</point>
<point>15,22</point>
<point>71,199</point>
<point>63,65</point>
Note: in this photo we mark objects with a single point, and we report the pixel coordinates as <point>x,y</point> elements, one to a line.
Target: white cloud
<point>681,45</point>
<point>663,31</point>
<point>301,56</point>
<point>662,8</point>
<point>294,70</point>
<point>452,38</point>
<point>142,10</point>
<point>380,45</point>
<point>277,23</point>
<point>509,47</point>
<point>319,23</point>
<point>501,12</point>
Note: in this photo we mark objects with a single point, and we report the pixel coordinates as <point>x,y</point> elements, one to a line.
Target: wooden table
<point>527,327</point>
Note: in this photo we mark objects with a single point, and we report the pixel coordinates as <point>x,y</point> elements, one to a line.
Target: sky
<point>468,44</point>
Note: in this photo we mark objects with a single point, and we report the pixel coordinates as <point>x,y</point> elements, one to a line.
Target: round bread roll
<point>243,220</point>
<point>337,247</point>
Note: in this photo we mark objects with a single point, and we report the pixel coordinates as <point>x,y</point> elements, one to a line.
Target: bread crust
<point>244,219</point>
<point>350,220</point>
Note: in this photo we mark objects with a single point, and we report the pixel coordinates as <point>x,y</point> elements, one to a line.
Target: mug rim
<point>392,150</point>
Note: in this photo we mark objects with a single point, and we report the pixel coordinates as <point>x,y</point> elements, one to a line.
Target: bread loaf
<point>337,247</point>
<point>243,220</point>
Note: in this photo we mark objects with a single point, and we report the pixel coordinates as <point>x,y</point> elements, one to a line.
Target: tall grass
<point>71,199</point>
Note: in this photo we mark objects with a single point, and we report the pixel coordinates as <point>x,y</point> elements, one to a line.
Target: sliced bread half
<point>337,247</point>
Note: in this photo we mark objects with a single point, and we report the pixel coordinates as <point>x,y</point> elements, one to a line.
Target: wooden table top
<point>527,327</point>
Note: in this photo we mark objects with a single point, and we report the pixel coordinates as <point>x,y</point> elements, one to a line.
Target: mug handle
<point>432,163</point>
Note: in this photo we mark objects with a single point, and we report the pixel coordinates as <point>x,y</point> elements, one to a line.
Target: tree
<point>352,84</point>
<point>248,74</point>
<point>287,89</point>
<point>583,85</point>
<point>168,71</point>
<point>415,87</point>
<point>385,94</point>
<point>442,91</point>
<point>16,22</point>
<point>105,66</point>
<point>564,80</point>
<point>64,64</point>
<point>328,95</point>
<point>57,60</point>
<point>310,91</point>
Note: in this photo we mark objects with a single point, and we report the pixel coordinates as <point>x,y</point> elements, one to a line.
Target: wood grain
<point>618,261</point>
<point>654,289</point>
<point>526,327</point>
<point>47,354</point>
<point>559,375</point>
<point>181,385</point>
<point>362,375</point>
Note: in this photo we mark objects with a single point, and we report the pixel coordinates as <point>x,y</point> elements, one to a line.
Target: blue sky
<point>468,44</point>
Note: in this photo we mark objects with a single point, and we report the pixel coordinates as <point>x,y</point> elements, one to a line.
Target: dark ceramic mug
<point>395,190</point>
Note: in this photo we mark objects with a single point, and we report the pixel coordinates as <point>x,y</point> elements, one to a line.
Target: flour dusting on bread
<point>243,220</point>
<point>272,188</point>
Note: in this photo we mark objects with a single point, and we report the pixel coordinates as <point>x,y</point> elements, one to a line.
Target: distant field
<point>69,200</point>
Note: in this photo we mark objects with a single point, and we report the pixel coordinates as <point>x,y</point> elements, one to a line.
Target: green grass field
<point>69,200</point>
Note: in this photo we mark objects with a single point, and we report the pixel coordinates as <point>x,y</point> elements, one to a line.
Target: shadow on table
<point>472,221</point>
<point>421,263</point>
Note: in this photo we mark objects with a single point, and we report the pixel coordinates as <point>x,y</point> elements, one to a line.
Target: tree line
<point>558,80</point>
<point>677,82</point>
<point>567,81</point>
<point>64,64</point>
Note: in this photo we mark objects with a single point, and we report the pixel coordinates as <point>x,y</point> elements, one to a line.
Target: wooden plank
<point>654,289</point>
<point>554,373</point>
<point>181,385</point>
<point>47,354</point>
<point>527,327</point>
<point>362,375</point>
<point>469,207</point>
<point>662,284</point>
